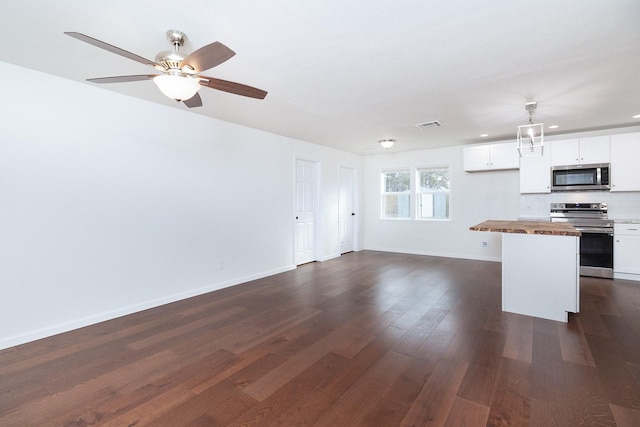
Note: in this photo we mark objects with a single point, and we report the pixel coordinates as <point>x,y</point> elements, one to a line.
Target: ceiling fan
<point>179,76</point>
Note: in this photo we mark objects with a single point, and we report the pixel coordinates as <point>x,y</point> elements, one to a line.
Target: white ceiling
<point>348,73</point>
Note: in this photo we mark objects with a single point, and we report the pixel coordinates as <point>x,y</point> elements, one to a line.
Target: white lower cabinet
<point>626,251</point>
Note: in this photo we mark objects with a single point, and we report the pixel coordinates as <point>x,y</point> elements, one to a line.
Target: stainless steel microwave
<point>580,177</point>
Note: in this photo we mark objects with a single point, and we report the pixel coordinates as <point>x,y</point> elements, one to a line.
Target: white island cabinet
<point>540,275</point>
<point>540,267</point>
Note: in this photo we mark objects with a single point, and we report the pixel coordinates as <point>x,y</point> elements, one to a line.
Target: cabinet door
<point>625,254</point>
<point>505,156</point>
<point>535,174</point>
<point>594,149</point>
<point>625,152</point>
<point>477,158</point>
<point>565,152</point>
<point>491,157</point>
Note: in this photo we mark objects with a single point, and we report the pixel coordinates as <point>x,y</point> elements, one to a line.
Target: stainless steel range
<point>596,242</point>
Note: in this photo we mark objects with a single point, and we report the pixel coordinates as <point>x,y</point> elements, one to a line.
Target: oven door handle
<point>595,230</point>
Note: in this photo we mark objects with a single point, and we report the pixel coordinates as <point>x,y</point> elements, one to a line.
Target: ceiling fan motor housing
<point>170,60</point>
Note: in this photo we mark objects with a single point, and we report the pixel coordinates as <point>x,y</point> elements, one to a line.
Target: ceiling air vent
<point>431,124</point>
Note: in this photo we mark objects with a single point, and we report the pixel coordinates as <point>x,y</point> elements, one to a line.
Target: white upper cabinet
<point>595,149</point>
<point>580,151</point>
<point>565,152</point>
<point>535,173</point>
<point>625,155</point>
<point>505,156</point>
<point>491,157</point>
<point>476,158</point>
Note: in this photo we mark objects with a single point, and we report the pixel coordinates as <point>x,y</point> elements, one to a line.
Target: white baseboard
<point>626,276</point>
<point>437,254</point>
<point>328,257</point>
<point>145,305</point>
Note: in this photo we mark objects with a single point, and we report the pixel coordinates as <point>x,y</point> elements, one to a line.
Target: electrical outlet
<point>485,244</point>
<point>221,265</point>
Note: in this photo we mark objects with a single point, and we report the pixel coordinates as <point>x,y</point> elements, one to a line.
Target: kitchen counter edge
<point>527,227</point>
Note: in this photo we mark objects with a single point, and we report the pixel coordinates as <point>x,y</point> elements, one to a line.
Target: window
<point>433,193</point>
<point>396,193</point>
<point>430,185</point>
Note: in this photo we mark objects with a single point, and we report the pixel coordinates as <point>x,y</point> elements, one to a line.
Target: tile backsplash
<point>622,205</point>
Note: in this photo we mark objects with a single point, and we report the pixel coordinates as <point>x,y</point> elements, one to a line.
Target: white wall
<point>110,204</point>
<point>475,197</point>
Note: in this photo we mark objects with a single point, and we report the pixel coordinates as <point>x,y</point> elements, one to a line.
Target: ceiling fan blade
<point>110,48</point>
<point>232,87</point>
<point>208,56</point>
<point>194,101</point>
<point>122,79</point>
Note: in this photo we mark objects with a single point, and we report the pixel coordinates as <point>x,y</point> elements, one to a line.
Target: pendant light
<point>530,137</point>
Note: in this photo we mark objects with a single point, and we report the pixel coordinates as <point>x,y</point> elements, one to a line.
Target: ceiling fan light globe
<point>387,143</point>
<point>177,87</point>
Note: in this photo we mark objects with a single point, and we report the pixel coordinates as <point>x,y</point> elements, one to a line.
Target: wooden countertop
<point>527,227</point>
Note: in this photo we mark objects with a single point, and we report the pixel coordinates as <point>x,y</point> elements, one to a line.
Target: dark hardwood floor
<point>369,339</point>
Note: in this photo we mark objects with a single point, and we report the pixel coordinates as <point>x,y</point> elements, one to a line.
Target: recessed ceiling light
<point>484,135</point>
<point>637,116</point>
<point>554,127</point>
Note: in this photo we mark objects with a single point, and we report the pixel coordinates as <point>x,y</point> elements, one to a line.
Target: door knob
<point>353,214</point>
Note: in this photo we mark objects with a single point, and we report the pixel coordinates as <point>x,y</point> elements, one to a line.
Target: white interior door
<point>346,212</point>
<point>306,178</point>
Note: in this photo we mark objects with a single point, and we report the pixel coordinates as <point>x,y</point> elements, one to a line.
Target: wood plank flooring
<point>369,339</point>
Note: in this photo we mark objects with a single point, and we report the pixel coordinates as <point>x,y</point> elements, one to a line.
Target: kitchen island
<point>540,267</point>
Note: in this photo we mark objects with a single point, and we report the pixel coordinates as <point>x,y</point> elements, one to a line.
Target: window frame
<point>408,193</point>
<point>418,193</point>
